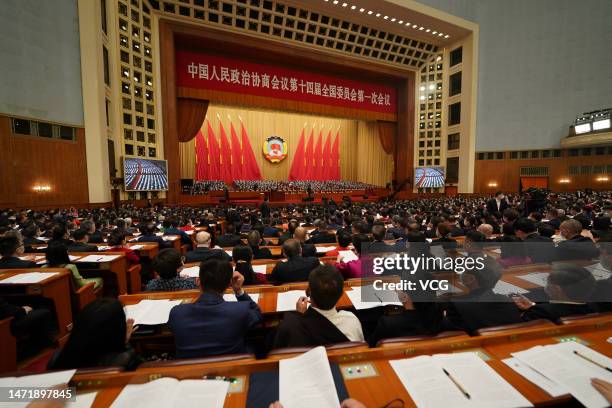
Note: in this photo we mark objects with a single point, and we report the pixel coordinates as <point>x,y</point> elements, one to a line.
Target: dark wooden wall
<point>26,161</point>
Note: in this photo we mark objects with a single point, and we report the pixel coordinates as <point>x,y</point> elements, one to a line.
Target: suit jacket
<point>261,253</point>
<point>32,241</point>
<point>185,240</point>
<point>212,326</point>
<point>295,269</point>
<point>82,247</point>
<point>265,210</point>
<point>12,262</point>
<point>308,250</point>
<point>229,240</point>
<point>96,237</point>
<point>322,238</point>
<point>577,248</point>
<point>481,308</point>
<point>554,311</point>
<point>428,320</point>
<point>492,206</point>
<point>602,296</point>
<point>542,251</point>
<point>201,254</point>
<point>308,329</point>
<point>445,242</point>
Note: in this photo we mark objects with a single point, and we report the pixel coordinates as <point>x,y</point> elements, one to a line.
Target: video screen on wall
<point>429,177</point>
<point>145,174</point>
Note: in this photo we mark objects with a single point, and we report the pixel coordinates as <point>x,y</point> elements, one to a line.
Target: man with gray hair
<point>486,230</point>
<point>575,246</point>
<point>204,252</point>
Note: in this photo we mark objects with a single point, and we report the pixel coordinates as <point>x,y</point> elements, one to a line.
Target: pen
<point>592,361</point>
<point>457,383</point>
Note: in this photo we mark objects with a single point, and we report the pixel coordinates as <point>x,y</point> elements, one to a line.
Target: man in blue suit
<point>171,227</point>
<point>148,235</point>
<point>210,325</point>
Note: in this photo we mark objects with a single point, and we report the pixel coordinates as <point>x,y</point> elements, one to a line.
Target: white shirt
<point>345,321</point>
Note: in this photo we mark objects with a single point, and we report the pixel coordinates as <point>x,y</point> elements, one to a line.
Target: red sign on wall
<point>204,71</point>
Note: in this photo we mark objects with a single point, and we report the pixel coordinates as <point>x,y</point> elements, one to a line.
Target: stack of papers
<point>150,312</point>
<point>570,366</point>
<point>306,381</point>
<point>505,288</point>
<point>98,258</point>
<point>29,277</point>
<point>170,392</point>
<point>598,271</point>
<point>366,297</point>
<point>230,297</point>
<point>285,301</point>
<point>537,278</point>
<point>456,380</point>
<point>347,256</point>
<point>324,249</point>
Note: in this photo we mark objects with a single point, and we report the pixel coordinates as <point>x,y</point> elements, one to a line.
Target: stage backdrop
<point>362,157</point>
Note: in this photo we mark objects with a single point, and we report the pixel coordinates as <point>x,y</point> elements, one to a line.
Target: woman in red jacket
<point>118,243</point>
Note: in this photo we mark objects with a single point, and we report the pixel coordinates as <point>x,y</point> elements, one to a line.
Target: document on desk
<point>306,381</point>
<point>98,258</point>
<point>324,249</point>
<point>366,297</point>
<point>347,256</point>
<point>151,312</point>
<point>598,271</point>
<point>85,400</point>
<point>230,297</point>
<point>39,380</point>
<point>537,278</point>
<point>191,272</point>
<point>505,288</point>
<point>571,365</point>
<point>456,380</point>
<point>104,247</point>
<point>551,387</point>
<point>136,247</point>
<point>28,277</point>
<point>260,269</point>
<point>285,301</point>
<point>170,392</point>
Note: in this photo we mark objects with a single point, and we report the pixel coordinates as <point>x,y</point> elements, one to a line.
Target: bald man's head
<point>203,239</point>
<point>300,234</point>
<point>486,229</point>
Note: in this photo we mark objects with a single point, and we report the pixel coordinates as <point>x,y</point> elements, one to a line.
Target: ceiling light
<point>393,19</point>
<point>439,58</point>
<point>361,10</point>
<point>440,34</point>
<point>377,14</point>
<point>583,128</point>
<point>432,87</point>
<point>335,1</point>
<point>601,124</point>
<point>370,11</point>
<point>428,30</point>
<point>421,28</point>
<point>414,26</point>
<point>422,88</point>
<point>408,24</point>
<point>344,4</point>
<point>400,22</point>
<point>353,7</point>
<point>434,32</point>
<point>386,17</point>
<point>422,97</point>
<point>446,36</point>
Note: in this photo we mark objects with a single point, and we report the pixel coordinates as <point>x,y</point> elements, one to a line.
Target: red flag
<point>201,151</point>
<point>335,156</point>
<point>326,158</point>
<point>213,154</point>
<point>237,165</point>
<point>250,167</point>
<point>297,167</point>
<point>317,162</point>
<point>308,170</point>
<point>226,157</point>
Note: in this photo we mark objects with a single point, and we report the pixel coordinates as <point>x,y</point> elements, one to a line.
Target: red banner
<point>204,71</point>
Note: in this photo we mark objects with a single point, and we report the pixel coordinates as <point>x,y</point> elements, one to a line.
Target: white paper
<point>150,311</point>
<point>260,268</point>
<point>285,301</point>
<point>598,271</point>
<point>98,258</point>
<point>537,278</point>
<point>82,400</point>
<point>505,288</point>
<point>347,256</point>
<point>324,249</point>
<point>559,363</point>
<point>306,381</point>
<point>39,380</point>
<point>429,386</point>
<point>104,248</point>
<point>136,247</point>
<point>73,257</point>
<point>170,237</point>
<point>552,388</point>
<point>169,392</point>
<point>230,297</point>
<point>191,272</point>
<point>229,252</point>
<point>28,277</point>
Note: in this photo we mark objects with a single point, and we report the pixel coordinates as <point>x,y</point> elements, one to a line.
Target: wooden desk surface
<point>373,391</point>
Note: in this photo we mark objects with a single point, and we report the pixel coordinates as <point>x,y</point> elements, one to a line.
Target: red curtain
<point>386,135</point>
<point>308,173</point>
<point>537,182</point>
<point>325,159</point>
<point>237,166</point>
<point>213,152</point>
<point>250,167</point>
<point>335,158</point>
<point>201,157</point>
<point>225,165</point>
<point>297,166</point>
<point>189,114</point>
<point>318,158</point>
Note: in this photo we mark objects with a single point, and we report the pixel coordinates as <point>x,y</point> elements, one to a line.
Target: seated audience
<point>321,235</point>
<point>80,243</point>
<point>344,240</point>
<point>210,325</point>
<point>95,236</point>
<point>243,256</point>
<point>443,231</point>
<point>148,235</point>
<point>301,235</point>
<point>203,251</point>
<point>514,252</point>
<point>321,323</point>
<point>33,328</point>
<point>601,227</point>
<point>168,264</point>
<point>99,338</point>
<point>539,248</point>
<point>230,238</point>
<point>118,243</point>
<point>574,246</point>
<point>11,248</point>
<point>297,268</point>
<point>486,230</point>
<point>30,235</point>
<point>57,257</point>
<point>254,239</point>
<point>59,236</point>
<point>171,227</point>
<point>353,268</point>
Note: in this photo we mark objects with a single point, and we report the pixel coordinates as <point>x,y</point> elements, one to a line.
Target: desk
<point>373,391</point>
<point>56,288</point>
<point>117,266</point>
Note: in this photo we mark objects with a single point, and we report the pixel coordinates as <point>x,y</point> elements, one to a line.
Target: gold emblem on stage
<point>275,149</point>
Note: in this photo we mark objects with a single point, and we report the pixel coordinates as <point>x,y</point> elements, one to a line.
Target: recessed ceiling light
<point>386,17</point>
<point>440,34</point>
<point>370,11</point>
<point>400,22</point>
<point>432,87</point>
<point>353,7</point>
<point>393,19</point>
<point>421,28</point>
<point>361,10</point>
<point>335,1</point>
<point>434,32</point>
<point>446,36</point>
<point>377,14</point>
<point>439,58</point>
<point>408,23</point>
<point>344,4</point>
<point>428,30</point>
<point>414,26</point>
<point>422,97</point>
<point>422,88</point>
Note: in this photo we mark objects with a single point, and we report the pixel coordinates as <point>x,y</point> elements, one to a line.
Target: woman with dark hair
<point>57,257</point>
<point>99,338</point>
<point>243,256</point>
<point>118,243</point>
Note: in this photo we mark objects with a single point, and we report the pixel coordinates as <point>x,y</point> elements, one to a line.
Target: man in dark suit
<point>297,268</point>
<point>148,235</point>
<point>264,208</point>
<point>254,239</point>
<point>210,325</point>
<point>539,248</point>
<point>80,242</point>
<point>35,326</point>
<point>497,205</point>
<point>90,228</point>
<point>569,287</point>
<point>575,246</point>
<point>322,236</point>
<point>602,295</point>
<point>203,251</point>
<point>308,249</point>
<point>481,307</point>
<point>10,250</point>
<point>291,227</point>
<point>171,228</point>
<point>320,324</point>
<point>230,238</point>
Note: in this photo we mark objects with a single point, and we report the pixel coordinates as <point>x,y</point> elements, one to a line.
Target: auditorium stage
<point>277,199</point>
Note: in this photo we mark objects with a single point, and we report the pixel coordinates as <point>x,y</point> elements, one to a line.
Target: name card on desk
<point>29,277</point>
<point>98,258</point>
